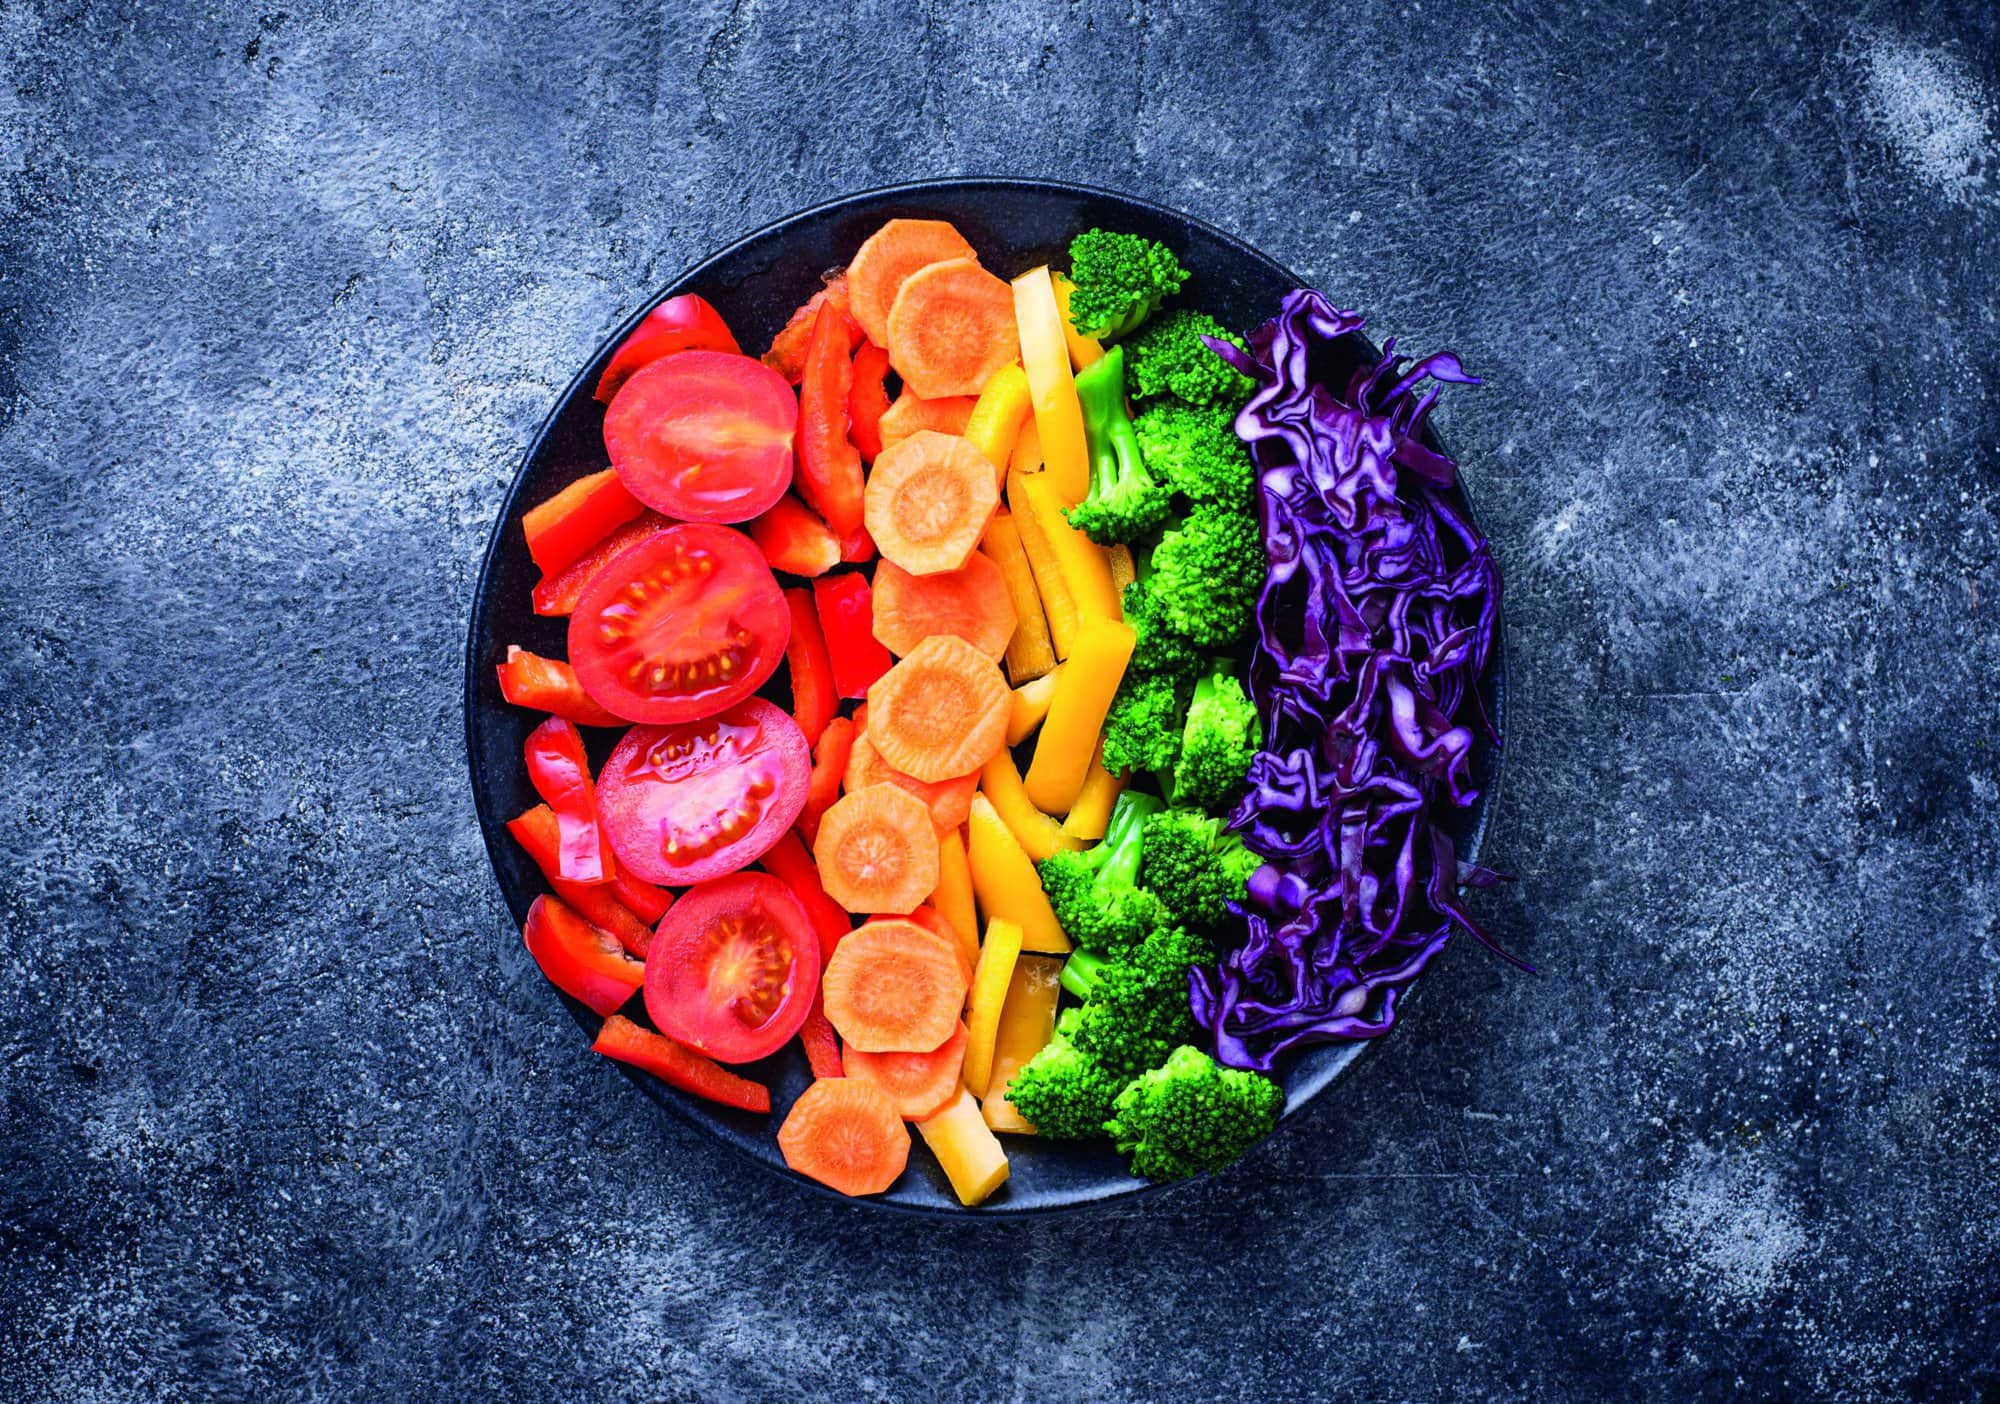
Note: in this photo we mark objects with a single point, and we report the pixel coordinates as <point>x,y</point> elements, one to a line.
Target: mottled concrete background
<point>283,294</point>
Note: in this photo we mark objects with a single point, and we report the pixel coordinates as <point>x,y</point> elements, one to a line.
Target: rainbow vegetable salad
<point>1038,701</point>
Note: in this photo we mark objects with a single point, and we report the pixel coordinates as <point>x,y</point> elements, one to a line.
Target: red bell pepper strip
<point>829,476</point>
<point>868,400</point>
<point>537,832</point>
<point>836,744</point>
<point>789,863</point>
<point>857,547</point>
<point>562,530</point>
<point>795,540</point>
<point>646,902</point>
<point>847,618</point>
<point>560,773</point>
<point>578,959</point>
<point>787,355</point>
<point>549,685</point>
<point>558,594</point>
<point>678,1065</point>
<point>684,323</point>
<point>822,1045</point>
<point>813,699</point>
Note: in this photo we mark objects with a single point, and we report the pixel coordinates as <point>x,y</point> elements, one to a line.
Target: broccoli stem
<point>1114,447</point>
<point>1081,972</point>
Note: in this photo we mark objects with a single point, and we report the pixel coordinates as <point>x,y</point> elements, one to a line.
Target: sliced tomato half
<point>682,804</point>
<point>679,626</point>
<point>704,436</point>
<point>733,968</point>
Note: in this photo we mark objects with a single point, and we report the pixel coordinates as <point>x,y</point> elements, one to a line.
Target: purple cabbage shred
<point>1375,625</point>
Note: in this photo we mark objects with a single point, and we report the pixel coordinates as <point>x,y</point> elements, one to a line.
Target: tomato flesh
<point>703,435</point>
<point>679,626</point>
<point>733,968</point>
<point>682,804</point>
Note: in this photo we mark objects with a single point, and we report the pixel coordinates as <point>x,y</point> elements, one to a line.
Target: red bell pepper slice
<point>830,756</point>
<point>560,774</point>
<point>684,323</point>
<point>829,476</point>
<point>557,594</point>
<point>537,832</point>
<point>578,959</point>
<point>868,400</point>
<point>549,685</point>
<point>647,902</point>
<point>787,355</point>
<point>794,540</point>
<point>847,618</point>
<point>678,1065</point>
<point>822,1045</point>
<point>813,699</point>
<point>789,863</point>
<point>857,547</point>
<point>562,530</point>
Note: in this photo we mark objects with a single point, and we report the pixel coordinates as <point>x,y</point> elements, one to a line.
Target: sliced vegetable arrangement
<point>1031,692</point>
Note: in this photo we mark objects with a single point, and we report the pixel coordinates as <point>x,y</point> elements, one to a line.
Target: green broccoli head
<point>1194,866</point>
<point>1170,358</point>
<point>1121,279</point>
<point>1217,744</point>
<point>1136,1009</point>
<point>1206,574</point>
<point>1191,1115</point>
<point>1142,731</point>
<point>1095,892</point>
<point>1194,449</point>
<point>1127,501</point>
<point>1158,647</point>
<point>1064,1091</point>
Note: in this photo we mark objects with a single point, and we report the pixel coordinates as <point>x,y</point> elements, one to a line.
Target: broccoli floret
<point>1192,1115</point>
<point>1206,574</point>
<point>1126,500</point>
<point>1064,1091</point>
<point>1170,358</point>
<point>1121,279</point>
<point>1135,1007</point>
<point>1196,451</point>
<point>1221,736</point>
<point>1194,866</point>
<point>1142,731</point>
<point>1095,892</point>
<point>1158,646</point>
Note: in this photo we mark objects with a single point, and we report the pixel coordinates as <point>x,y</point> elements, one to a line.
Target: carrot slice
<point>877,851</point>
<point>952,329</point>
<point>949,801</point>
<point>941,712</point>
<point>845,1133</point>
<point>912,413</point>
<point>787,355</point>
<point>969,603</point>
<point>920,1084</point>
<point>935,922</point>
<point>928,501</point>
<point>894,987</point>
<point>887,259</point>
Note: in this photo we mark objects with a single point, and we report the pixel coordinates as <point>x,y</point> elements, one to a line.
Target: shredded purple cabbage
<point>1375,625</point>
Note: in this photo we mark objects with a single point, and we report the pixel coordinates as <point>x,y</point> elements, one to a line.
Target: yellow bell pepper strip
<point>990,978</point>
<point>1068,742</point>
<point>1027,449</point>
<point>965,1146</point>
<point>1030,652</point>
<point>995,424</point>
<point>1045,358</point>
<point>1083,350</point>
<point>1005,881</point>
<point>953,897</point>
<point>1082,563</point>
<point>1090,816</point>
<point>1030,705</point>
<point>1058,604</point>
<point>1123,569</point>
<point>1036,832</point>
<point>1027,1021</point>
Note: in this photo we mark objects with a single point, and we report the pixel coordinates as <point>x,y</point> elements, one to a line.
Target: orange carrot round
<point>928,501</point>
<point>877,850</point>
<point>941,712</point>
<point>949,801</point>
<point>887,258</point>
<point>845,1133</point>
<point>920,1084</point>
<point>893,987</point>
<point>971,603</point>
<point>952,329</point>
<point>948,415</point>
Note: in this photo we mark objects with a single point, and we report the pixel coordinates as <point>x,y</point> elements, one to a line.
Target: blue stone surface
<point>287,1112</point>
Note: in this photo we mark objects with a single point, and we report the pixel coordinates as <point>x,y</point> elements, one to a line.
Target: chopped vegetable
<point>1030,704</point>
<point>1057,602</point>
<point>919,1084</point>
<point>1191,1115</point>
<point>885,261</point>
<point>877,851</point>
<point>1083,569</point>
<point>814,698</point>
<point>934,921</point>
<point>1091,814</point>
<point>830,758</point>
<point>951,329</point>
<point>787,355</point>
<point>953,898</point>
<point>678,1066</point>
<point>794,539</point>
<point>537,832</point>
<point>1142,731</point>
<point>788,862</point>
<point>1172,356</point>
<point>1027,1021</point>
<point>558,594</point>
<point>928,501</point>
<point>578,959</point>
<point>549,685</point>
<point>1084,351</point>
<point>894,987</point>
<point>1195,866</point>
<point>1005,883</point>
<point>1123,571</point>
<point>912,414</point>
<point>1036,832</point>
<point>562,530</point>
<point>1120,280</point>
<point>1045,358</point>
<point>868,400</point>
<point>821,1043</point>
<point>948,801</point>
<point>1135,1007</point>
<point>1126,502</point>
<point>1095,893</point>
<point>990,980</point>
<point>1030,651</point>
<point>1206,574</point>
<point>829,466</point>
<point>965,1147</point>
<point>683,323</point>
<point>560,773</point>
<point>734,968</point>
<point>1195,449</point>
<point>704,436</point>
<point>1068,741</point>
<point>1064,1093</point>
<point>845,1133</point>
<point>995,423</point>
<point>847,617</point>
<point>941,712</point>
<point>1220,738</point>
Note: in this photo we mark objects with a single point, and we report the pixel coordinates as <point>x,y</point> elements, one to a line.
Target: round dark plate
<point>755,284</point>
